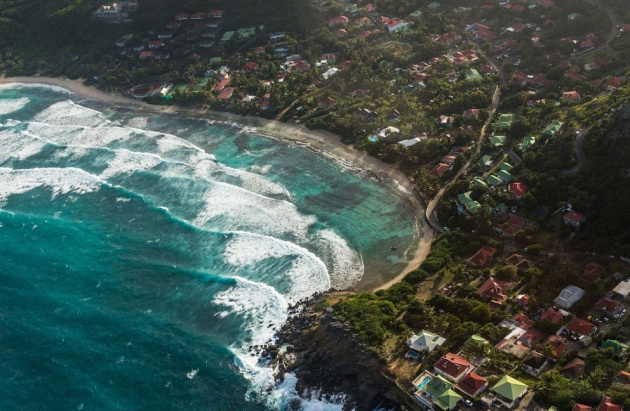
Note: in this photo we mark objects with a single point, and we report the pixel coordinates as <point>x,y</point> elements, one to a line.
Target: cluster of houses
<point>459,377</point>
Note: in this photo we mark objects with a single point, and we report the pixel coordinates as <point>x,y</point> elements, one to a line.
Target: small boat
<point>393,248</point>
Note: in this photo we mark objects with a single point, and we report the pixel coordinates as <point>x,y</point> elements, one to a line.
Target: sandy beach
<point>320,140</point>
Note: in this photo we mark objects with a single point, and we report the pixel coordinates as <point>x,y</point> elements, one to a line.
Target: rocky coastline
<point>330,363</point>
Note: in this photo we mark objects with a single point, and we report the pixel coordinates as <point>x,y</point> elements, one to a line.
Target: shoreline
<point>321,140</point>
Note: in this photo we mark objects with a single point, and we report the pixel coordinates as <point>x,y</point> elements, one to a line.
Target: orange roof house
<point>593,271</point>
<point>495,289</point>
<point>483,256</point>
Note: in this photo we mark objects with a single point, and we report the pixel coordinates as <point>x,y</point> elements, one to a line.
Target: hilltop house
<point>434,392</point>
<point>452,367</point>
<point>574,369</point>
<point>425,341</point>
<point>569,296</point>
<point>472,385</point>
<point>495,290</point>
<point>483,256</point>
<point>534,363</point>
<point>507,392</point>
<point>574,219</point>
<point>593,271</point>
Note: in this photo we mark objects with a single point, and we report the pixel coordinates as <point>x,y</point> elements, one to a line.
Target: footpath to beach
<point>323,141</point>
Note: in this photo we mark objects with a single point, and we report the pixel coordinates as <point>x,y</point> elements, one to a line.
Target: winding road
<point>614,20</point>
<point>579,153</point>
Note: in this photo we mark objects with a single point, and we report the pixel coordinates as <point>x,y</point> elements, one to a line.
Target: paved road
<point>614,20</point>
<point>430,211</point>
<point>579,153</point>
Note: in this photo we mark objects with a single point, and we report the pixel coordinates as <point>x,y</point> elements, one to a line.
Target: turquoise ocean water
<point>141,255</point>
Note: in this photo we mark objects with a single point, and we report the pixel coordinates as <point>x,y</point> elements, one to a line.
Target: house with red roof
<point>546,3</point>
<point>593,271</point>
<point>581,327</point>
<point>326,102</point>
<point>226,93</point>
<point>571,95</point>
<point>607,405</point>
<point>452,367</point>
<point>439,169</point>
<point>534,363</point>
<point>517,190</point>
<point>494,289</point>
<point>472,385</point>
<point>200,15</point>
<point>557,344</point>
<point>182,16</point>
<point>609,307</point>
<point>340,33</point>
<point>613,84</point>
<point>552,316</point>
<point>582,407</point>
<point>587,44</point>
<point>146,54</point>
<point>216,14</point>
<point>483,256</point>
<point>156,44</point>
<point>394,25</point>
<point>221,85</point>
<point>346,64</point>
<point>338,21</point>
<point>519,78</point>
<point>520,262</point>
<point>250,66</point>
<point>574,369</point>
<point>575,76</point>
<point>573,218</point>
<point>623,377</point>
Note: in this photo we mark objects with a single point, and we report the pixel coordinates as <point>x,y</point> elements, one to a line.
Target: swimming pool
<point>373,139</point>
<point>424,382</point>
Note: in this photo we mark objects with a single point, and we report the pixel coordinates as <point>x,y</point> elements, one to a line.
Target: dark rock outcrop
<point>329,361</point>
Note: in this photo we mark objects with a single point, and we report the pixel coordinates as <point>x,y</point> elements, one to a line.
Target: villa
<point>507,392</point>
<point>425,341</point>
<point>434,392</point>
<point>569,296</point>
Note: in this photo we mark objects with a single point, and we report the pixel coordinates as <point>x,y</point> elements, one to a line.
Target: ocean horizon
<point>146,256</point>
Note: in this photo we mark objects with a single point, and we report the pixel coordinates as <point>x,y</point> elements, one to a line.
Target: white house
<point>425,341</point>
<point>569,296</point>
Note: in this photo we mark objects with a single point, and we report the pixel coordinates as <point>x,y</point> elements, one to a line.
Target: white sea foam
<point>307,275</point>
<point>263,310</point>
<point>35,85</point>
<point>58,180</point>
<point>8,106</point>
<point>71,113</point>
<point>230,208</point>
<point>126,162</point>
<point>345,264</point>
<point>285,393</point>
<point>16,146</point>
<point>138,122</point>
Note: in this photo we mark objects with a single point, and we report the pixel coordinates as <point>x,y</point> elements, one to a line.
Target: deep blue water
<point>142,255</point>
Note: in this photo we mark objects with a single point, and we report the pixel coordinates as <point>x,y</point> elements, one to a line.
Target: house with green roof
<point>476,340</point>
<point>505,176</point>
<point>246,32</point>
<point>435,392</point>
<point>472,74</point>
<point>416,14</point>
<point>500,209</point>
<point>505,121</point>
<point>473,206</point>
<point>433,6</point>
<point>552,129</point>
<point>485,162</point>
<point>227,36</point>
<point>528,142</point>
<point>351,8</point>
<point>506,166</point>
<point>494,180</point>
<point>478,182</point>
<point>509,391</point>
<point>616,346</point>
<point>497,141</point>
<point>464,198</point>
